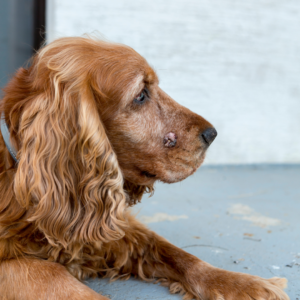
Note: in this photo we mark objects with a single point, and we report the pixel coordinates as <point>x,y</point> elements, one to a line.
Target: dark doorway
<point>22,31</point>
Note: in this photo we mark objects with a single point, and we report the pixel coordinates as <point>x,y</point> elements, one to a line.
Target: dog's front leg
<point>32,279</point>
<point>145,254</point>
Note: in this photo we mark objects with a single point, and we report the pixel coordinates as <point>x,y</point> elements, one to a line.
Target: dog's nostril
<point>209,135</point>
<point>170,140</point>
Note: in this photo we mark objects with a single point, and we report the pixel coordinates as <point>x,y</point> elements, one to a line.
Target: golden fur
<point>87,150</point>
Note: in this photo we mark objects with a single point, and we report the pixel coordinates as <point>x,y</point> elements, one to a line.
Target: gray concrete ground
<point>243,219</point>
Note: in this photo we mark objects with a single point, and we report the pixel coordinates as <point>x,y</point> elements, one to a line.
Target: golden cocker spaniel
<point>92,132</point>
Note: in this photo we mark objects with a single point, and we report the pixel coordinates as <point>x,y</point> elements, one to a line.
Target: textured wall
<point>237,63</point>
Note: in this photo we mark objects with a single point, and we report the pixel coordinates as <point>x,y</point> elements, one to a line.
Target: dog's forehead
<point>134,62</point>
<point>136,85</point>
<point>150,76</point>
<point>145,76</point>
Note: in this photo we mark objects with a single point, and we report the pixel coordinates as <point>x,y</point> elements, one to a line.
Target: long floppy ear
<point>68,177</point>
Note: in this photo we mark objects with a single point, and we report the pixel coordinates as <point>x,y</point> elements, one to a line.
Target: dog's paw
<point>217,284</point>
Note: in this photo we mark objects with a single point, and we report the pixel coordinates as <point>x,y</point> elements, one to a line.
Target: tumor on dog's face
<point>154,137</point>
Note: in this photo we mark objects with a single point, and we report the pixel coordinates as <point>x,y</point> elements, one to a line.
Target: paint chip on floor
<point>160,217</point>
<point>276,267</point>
<point>249,214</point>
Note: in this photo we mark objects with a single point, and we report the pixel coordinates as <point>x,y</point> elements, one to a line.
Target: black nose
<point>209,135</point>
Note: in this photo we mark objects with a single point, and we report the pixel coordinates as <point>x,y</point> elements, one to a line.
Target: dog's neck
<point>6,137</point>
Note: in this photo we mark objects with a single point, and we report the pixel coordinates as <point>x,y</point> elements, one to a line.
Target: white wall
<point>237,63</point>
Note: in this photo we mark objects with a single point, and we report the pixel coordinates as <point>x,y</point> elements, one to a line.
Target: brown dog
<point>93,132</point>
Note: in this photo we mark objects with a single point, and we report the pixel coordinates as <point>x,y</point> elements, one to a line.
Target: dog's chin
<point>173,176</point>
<point>166,175</point>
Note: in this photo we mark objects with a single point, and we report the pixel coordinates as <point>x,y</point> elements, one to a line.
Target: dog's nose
<point>208,135</point>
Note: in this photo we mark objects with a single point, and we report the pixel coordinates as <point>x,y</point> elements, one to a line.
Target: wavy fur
<point>87,150</point>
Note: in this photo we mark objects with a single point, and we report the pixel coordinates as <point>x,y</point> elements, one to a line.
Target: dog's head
<point>153,137</point>
<point>93,128</point>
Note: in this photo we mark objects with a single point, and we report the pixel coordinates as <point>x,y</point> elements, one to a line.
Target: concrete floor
<point>244,219</point>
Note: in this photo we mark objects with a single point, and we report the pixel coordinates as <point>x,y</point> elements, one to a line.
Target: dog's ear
<point>68,177</point>
<point>135,192</point>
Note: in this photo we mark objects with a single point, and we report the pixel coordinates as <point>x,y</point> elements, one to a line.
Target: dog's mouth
<point>148,175</point>
<point>171,173</point>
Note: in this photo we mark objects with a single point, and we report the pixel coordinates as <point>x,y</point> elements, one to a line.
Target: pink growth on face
<point>170,140</point>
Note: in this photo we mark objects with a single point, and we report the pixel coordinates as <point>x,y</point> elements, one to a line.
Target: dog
<point>86,131</point>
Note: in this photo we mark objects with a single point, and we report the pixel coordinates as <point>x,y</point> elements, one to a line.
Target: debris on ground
<point>248,234</point>
<point>238,260</point>
<point>252,239</point>
<point>293,263</point>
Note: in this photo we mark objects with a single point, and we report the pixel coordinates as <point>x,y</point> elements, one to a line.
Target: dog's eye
<point>141,97</point>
